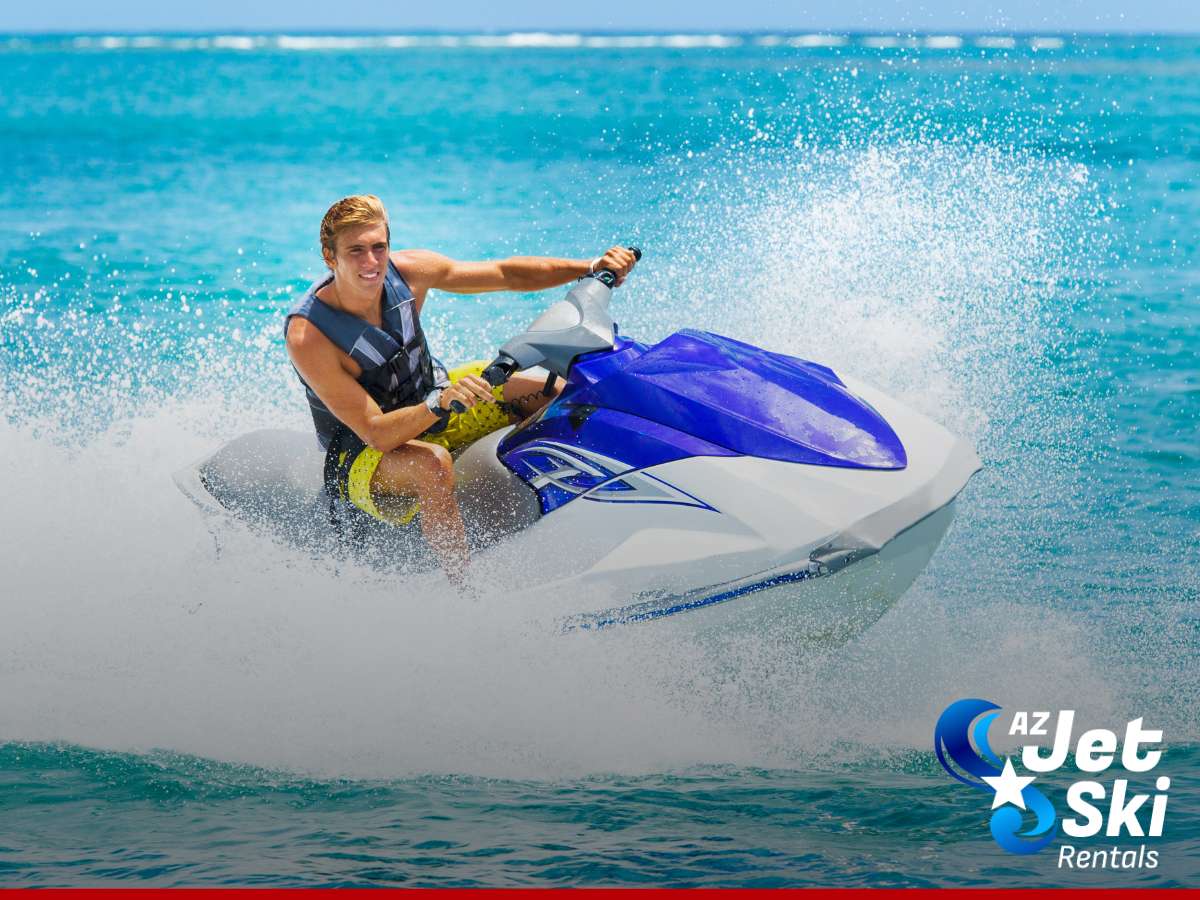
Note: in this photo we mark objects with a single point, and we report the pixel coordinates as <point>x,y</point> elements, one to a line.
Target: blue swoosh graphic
<point>981,738</point>
<point>950,739</point>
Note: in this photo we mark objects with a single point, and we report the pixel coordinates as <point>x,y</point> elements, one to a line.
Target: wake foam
<point>940,274</point>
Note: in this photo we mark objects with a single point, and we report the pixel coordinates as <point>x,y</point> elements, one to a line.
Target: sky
<point>610,15</point>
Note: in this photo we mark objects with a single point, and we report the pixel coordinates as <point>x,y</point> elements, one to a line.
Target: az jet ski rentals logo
<point>965,752</point>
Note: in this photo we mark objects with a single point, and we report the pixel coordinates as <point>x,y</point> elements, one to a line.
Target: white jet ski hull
<point>727,544</point>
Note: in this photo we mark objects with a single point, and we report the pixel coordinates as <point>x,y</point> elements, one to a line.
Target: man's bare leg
<point>426,471</point>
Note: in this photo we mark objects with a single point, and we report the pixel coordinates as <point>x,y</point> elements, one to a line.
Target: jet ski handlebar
<point>609,278</point>
<point>504,366</point>
<point>500,370</point>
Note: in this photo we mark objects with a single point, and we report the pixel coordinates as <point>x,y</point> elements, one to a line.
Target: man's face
<point>362,258</point>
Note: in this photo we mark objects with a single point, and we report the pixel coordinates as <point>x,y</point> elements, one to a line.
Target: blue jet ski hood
<point>738,397</point>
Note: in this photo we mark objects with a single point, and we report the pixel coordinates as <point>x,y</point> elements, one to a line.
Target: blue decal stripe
<point>640,613</point>
<point>697,502</point>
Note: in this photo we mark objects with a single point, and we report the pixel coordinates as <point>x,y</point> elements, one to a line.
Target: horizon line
<point>665,32</point>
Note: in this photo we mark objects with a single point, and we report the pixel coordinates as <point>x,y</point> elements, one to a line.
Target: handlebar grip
<point>499,371</point>
<point>607,278</point>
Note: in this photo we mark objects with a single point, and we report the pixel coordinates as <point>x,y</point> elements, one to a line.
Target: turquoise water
<point>999,231</point>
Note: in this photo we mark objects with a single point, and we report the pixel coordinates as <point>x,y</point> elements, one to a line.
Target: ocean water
<point>999,230</point>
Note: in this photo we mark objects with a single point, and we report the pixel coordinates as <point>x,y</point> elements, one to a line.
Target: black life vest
<point>397,368</point>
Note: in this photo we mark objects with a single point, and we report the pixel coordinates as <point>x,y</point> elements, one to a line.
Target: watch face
<point>433,402</point>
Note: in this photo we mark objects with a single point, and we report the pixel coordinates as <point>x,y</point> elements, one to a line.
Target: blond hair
<point>349,212</point>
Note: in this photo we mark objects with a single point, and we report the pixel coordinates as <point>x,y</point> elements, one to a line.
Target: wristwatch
<point>433,402</point>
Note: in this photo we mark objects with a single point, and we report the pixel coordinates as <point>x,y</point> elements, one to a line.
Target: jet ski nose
<point>749,401</point>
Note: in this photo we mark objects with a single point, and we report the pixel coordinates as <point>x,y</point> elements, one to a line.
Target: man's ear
<point>329,260</point>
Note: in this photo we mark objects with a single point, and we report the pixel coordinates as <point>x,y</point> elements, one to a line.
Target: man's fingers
<point>620,260</point>
<point>456,392</point>
<point>478,387</point>
<point>469,390</point>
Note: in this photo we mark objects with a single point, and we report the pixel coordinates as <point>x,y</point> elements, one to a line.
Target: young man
<point>381,403</point>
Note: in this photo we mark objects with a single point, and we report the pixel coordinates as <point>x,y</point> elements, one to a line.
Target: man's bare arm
<point>517,273</point>
<point>318,360</point>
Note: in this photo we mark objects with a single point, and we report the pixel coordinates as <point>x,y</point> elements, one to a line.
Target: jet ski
<point>699,479</point>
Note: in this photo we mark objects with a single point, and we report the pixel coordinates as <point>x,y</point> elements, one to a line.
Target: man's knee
<point>435,468</point>
<point>415,469</point>
<point>442,463</point>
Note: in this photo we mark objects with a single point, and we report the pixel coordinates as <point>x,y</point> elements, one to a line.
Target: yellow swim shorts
<point>461,429</point>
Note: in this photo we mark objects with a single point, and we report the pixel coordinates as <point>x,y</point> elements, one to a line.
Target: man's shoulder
<point>302,301</point>
<point>416,256</point>
<point>305,337</point>
<point>419,266</point>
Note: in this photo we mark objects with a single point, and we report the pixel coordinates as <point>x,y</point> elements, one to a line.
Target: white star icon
<point>1008,786</point>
